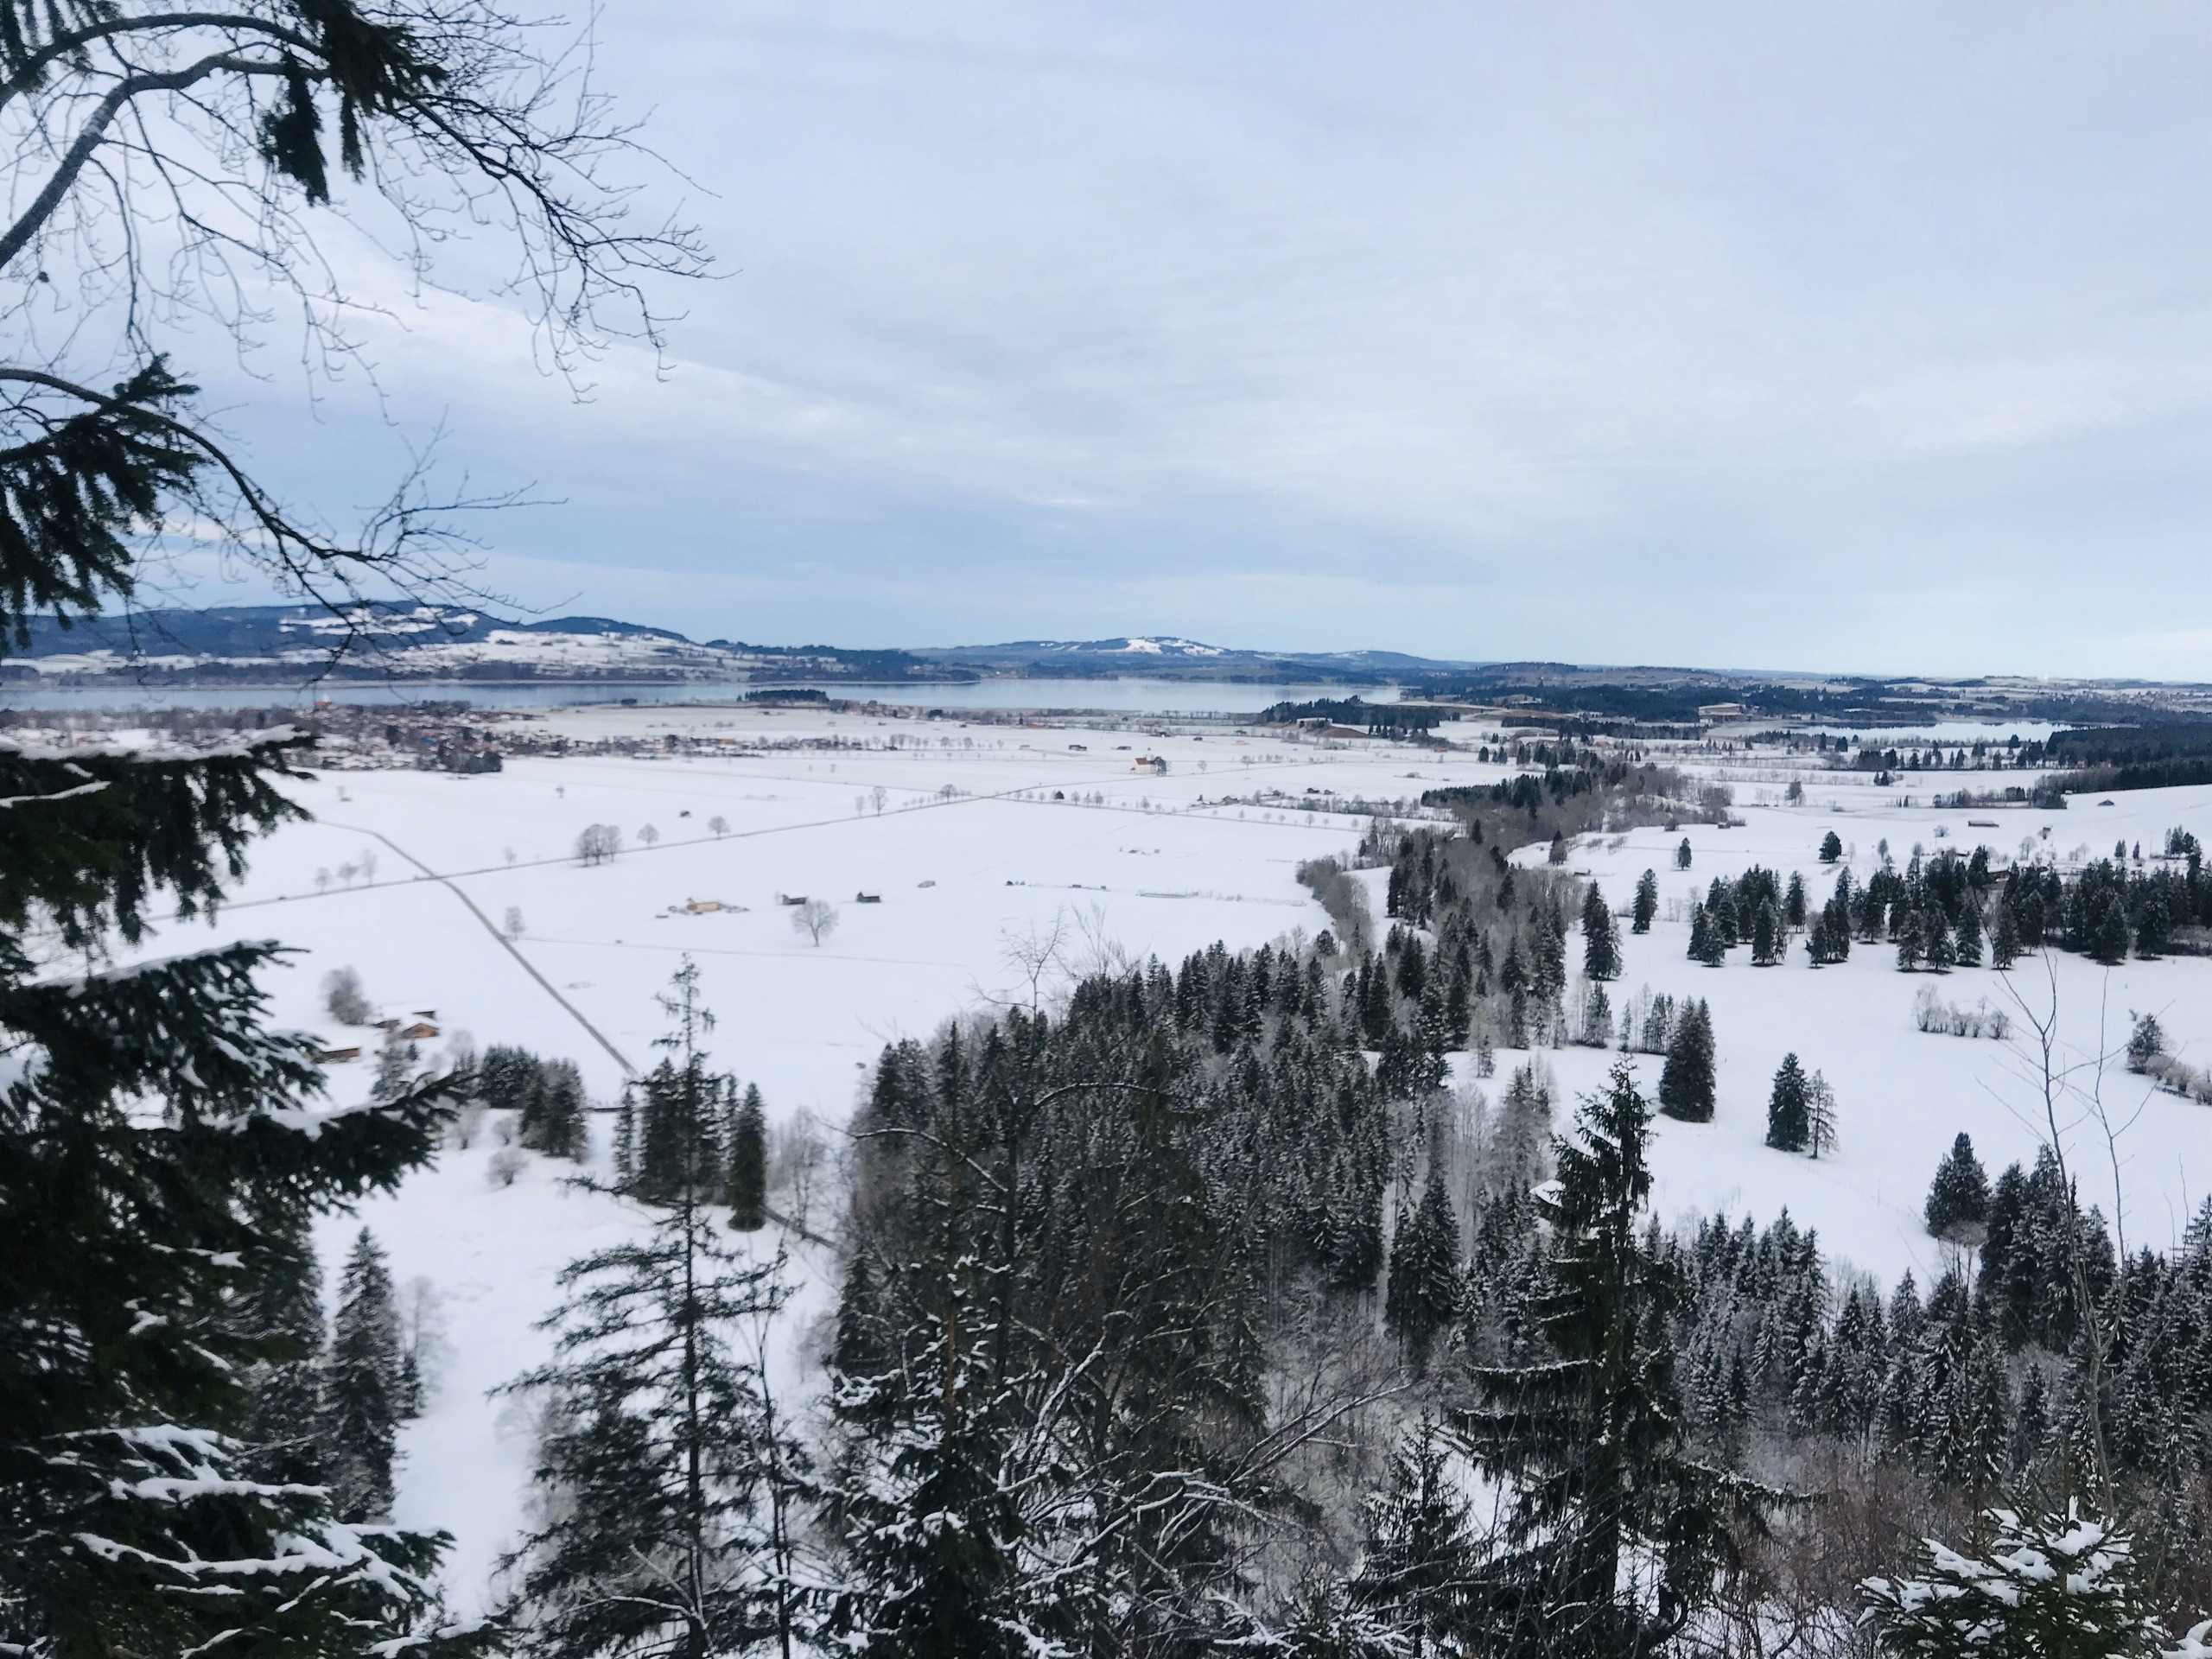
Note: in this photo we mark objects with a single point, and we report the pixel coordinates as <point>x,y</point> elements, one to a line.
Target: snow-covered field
<point>958,831</point>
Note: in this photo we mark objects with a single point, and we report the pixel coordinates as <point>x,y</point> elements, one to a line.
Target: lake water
<point>1129,696</point>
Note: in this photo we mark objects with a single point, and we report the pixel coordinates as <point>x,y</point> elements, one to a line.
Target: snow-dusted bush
<point>2049,1587</point>
<point>2180,1076</point>
<point>1931,1013</point>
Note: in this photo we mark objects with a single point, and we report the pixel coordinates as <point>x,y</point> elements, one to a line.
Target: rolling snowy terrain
<point>982,846</point>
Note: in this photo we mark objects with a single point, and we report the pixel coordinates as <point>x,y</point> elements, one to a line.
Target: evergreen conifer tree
<point>1788,1109</point>
<point>1796,904</point>
<point>1958,1200</point>
<point>1906,923</point>
<point>1647,903</point>
<point>749,1163</point>
<point>2047,1586</point>
<point>362,1388</point>
<point>2004,945</point>
<point>506,1077</point>
<point>1425,1284</point>
<point>1520,1150</point>
<point>155,1135</point>
<point>1592,1437</point>
<point>1683,854</point>
<point>1419,1565</point>
<point>553,1121</point>
<point>1601,939</point>
<point>1831,848</point>
<point>279,1311</point>
<point>1936,947</point>
<point>1687,1081</point>
<point>1597,1020</point>
<point>1705,944</point>
<point>943,1554</point>
<point>395,1071</point>
<point>679,1111</point>
<point>131,1521</point>
<point>1349,1245</point>
<point>1965,944</point>
<point>1767,935</point>
<point>665,1472</point>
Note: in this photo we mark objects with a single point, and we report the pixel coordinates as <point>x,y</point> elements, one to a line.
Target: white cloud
<point>1718,334</point>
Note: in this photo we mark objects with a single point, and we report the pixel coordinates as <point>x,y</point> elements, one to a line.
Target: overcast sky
<point>1871,337</point>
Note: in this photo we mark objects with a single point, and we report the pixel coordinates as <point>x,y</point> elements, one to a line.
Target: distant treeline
<point>1353,711</point>
<point>2162,756</point>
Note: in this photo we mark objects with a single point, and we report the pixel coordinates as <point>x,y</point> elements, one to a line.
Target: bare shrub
<point>343,997</point>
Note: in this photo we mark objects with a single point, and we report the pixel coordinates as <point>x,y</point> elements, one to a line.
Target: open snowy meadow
<point>973,865</point>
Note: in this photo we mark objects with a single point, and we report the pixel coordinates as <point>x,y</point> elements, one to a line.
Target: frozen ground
<point>973,859</point>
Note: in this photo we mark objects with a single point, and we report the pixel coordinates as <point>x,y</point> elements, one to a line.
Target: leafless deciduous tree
<point>598,843</point>
<point>172,172</point>
<point>343,997</point>
<point>816,918</point>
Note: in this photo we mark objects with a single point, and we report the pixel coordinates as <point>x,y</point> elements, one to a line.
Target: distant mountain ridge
<point>278,643</point>
<point>289,647</point>
<point>275,644</point>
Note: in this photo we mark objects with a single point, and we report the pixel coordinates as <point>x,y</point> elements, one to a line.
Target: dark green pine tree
<point>1768,938</point>
<point>1704,945</point>
<point>681,1109</point>
<point>1591,1436</point>
<point>749,1163</point>
<point>1788,1109</point>
<point>1687,1081</point>
<point>507,1078</point>
<point>279,1311</point>
<point>1965,944</point>
<point>1937,948</point>
<point>1419,1565</point>
<point>1831,848</point>
<point>1958,1199</point>
<point>362,1388</point>
<point>942,1557</point>
<point>155,1134</point>
<point>1348,1241</point>
<point>1796,904</point>
<point>1647,903</point>
<point>666,1472</point>
<point>2004,945</point>
<point>553,1116</point>
<point>1425,1290</point>
<point>129,1524</point>
<point>395,1073</point>
<point>1601,937</point>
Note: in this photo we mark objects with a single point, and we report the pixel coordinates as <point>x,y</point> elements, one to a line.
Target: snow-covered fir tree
<point>1687,1081</point>
<point>747,1162</point>
<point>1424,1294</point>
<point>668,1477</point>
<point>364,1386</point>
<point>1614,1531</point>
<point>1789,1108</point>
